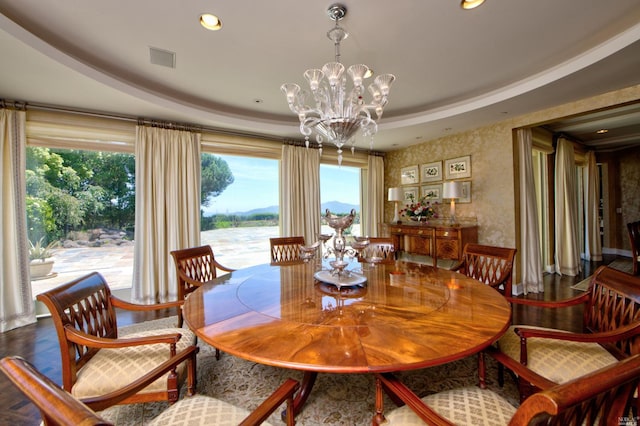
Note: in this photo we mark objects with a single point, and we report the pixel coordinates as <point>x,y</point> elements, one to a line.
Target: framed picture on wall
<point>409,192</point>
<point>431,172</point>
<point>432,193</point>
<point>409,175</point>
<point>458,168</point>
<point>466,193</point>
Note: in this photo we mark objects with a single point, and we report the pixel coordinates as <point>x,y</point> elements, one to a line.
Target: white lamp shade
<point>395,194</point>
<point>452,190</point>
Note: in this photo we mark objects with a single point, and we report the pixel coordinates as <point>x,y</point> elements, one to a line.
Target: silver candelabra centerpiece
<point>338,274</point>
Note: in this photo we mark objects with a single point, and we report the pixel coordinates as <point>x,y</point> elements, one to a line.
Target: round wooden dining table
<point>405,316</point>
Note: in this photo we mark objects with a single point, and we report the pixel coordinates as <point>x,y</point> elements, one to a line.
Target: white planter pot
<point>40,269</point>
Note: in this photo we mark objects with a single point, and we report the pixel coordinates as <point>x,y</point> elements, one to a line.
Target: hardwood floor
<point>38,342</point>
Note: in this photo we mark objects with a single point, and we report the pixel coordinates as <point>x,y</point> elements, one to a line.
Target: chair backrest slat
<point>614,302</point>
<point>197,263</point>
<point>85,305</point>
<point>379,247</point>
<point>286,250</point>
<point>490,265</point>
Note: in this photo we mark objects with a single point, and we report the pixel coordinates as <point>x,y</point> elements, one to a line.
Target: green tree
<point>216,176</point>
<point>77,189</point>
<point>108,187</point>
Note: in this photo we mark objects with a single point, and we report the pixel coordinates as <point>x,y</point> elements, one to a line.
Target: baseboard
<point>618,252</point>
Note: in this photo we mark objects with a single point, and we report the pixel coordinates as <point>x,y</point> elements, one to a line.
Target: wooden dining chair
<point>98,363</point>
<point>379,250</point>
<point>542,357</point>
<point>634,239</point>
<point>58,407</point>
<point>194,267</point>
<point>488,264</point>
<point>603,397</point>
<point>286,250</point>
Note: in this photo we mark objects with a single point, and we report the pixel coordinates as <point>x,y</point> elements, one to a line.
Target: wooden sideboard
<point>438,240</point>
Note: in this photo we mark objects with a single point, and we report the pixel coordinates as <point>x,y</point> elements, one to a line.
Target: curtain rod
<point>139,120</point>
<point>22,105</point>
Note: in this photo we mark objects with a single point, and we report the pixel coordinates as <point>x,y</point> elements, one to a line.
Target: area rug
<point>623,265</point>
<point>336,399</point>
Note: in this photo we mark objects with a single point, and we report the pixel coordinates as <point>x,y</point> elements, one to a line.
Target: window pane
<point>240,214</point>
<point>83,203</point>
<point>340,192</point>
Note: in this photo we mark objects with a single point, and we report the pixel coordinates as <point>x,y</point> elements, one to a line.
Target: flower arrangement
<point>419,210</point>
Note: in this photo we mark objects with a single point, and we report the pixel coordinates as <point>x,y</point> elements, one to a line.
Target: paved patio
<point>233,247</point>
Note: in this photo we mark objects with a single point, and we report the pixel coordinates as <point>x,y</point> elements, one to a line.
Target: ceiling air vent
<point>162,57</point>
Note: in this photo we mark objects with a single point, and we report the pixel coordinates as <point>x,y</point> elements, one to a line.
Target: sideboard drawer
<point>438,240</point>
<point>447,233</point>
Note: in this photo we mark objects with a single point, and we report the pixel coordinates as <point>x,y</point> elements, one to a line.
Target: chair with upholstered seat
<point>97,362</point>
<point>488,264</point>
<point>634,239</point>
<point>542,357</point>
<point>194,267</point>
<point>57,407</point>
<point>286,250</point>
<point>379,250</point>
<point>603,397</point>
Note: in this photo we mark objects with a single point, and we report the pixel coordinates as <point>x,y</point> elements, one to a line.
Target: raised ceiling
<point>455,69</point>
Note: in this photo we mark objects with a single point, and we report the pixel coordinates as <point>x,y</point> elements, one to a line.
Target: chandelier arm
<point>338,111</point>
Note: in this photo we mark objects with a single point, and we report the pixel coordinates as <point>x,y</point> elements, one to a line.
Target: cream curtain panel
<point>167,208</point>
<point>593,245</point>
<point>16,302</point>
<point>300,192</point>
<point>372,202</point>
<point>567,247</point>
<point>531,258</point>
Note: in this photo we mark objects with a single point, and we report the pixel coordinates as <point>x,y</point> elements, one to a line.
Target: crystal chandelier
<point>331,110</point>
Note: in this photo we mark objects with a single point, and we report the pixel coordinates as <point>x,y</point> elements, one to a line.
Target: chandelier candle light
<point>336,113</point>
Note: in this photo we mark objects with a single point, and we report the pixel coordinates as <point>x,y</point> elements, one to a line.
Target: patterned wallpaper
<point>629,191</point>
<point>492,167</point>
<point>491,184</point>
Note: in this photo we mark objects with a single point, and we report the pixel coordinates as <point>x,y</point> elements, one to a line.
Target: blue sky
<point>256,185</point>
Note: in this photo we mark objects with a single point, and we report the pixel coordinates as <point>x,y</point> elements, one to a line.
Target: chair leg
<point>482,370</point>
<point>525,388</point>
<point>217,354</point>
<point>192,376</point>
<point>500,375</point>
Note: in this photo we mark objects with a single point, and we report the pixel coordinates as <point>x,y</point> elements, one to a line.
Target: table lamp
<point>395,194</point>
<point>452,190</point>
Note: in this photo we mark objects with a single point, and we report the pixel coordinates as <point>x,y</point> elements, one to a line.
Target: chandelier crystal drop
<point>331,109</point>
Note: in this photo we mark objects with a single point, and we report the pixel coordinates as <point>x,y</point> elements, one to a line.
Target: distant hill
<point>270,209</point>
<point>333,206</point>
<point>338,207</point>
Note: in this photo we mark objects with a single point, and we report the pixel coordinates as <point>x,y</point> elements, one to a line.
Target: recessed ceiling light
<point>210,22</point>
<point>470,4</point>
<point>602,131</point>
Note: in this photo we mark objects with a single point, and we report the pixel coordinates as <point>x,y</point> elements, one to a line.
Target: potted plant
<point>40,257</point>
